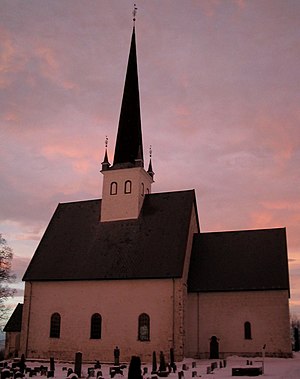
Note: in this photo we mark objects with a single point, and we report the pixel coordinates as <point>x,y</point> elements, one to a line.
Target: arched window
<point>127,188</point>
<point>96,323</point>
<point>55,325</point>
<point>113,188</point>
<point>143,189</point>
<point>247,330</point>
<point>144,327</point>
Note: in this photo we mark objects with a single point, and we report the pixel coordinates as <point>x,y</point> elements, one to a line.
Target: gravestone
<point>117,356</point>
<point>154,363</point>
<point>162,362</point>
<point>22,364</point>
<point>134,370</point>
<point>91,372</point>
<point>52,364</point>
<point>78,364</point>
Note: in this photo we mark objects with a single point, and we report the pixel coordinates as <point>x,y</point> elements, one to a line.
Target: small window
<point>144,327</point>
<point>127,188</point>
<point>247,330</point>
<point>113,188</point>
<point>143,189</point>
<point>96,323</point>
<point>55,325</point>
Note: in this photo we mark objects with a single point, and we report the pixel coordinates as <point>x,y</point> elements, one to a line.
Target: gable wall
<point>119,303</point>
<point>223,314</point>
<point>12,344</point>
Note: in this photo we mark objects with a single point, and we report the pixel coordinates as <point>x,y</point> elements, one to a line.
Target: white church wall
<point>182,295</point>
<point>119,302</point>
<point>119,205</point>
<point>12,344</point>
<point>224,314</point>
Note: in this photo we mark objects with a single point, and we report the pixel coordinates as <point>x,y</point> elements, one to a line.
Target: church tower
<point>126,182</point>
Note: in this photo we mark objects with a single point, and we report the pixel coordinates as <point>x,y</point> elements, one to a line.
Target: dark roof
<point>239,260</point>
<point>15,321</point>
<point>76,246</point>
<point>129,144</point>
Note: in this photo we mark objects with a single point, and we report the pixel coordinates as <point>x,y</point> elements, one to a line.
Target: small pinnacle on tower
<point>150,169</point>
<point>105,164</point>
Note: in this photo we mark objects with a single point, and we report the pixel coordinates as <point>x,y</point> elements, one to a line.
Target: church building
<point>134,270</point>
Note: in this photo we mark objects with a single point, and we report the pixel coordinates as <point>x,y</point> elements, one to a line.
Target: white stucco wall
<point>123,206</point>
<point>119,303</point>
<point>223,315</point>
<point>12,344</point>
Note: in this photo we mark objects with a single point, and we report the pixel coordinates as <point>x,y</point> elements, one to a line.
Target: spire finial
<point>134,13</point>
<point>150,151</point>
<point>106,142</point>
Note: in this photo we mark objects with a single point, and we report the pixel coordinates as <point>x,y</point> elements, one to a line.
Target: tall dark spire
<point>129,144</point>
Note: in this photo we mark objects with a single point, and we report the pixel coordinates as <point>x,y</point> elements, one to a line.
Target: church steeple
<point>126,182</point>
<point>129,144</point>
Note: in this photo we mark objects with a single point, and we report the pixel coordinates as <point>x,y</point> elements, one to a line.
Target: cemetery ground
<point>275,368</point>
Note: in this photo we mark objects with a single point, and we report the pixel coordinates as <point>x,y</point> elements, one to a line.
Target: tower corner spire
<point>105,164</point>
<point>150,169</point>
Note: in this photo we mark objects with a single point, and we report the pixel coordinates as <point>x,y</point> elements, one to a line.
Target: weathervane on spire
<point>106,142</point>
<point>150,151</point>
<point>134,13</point>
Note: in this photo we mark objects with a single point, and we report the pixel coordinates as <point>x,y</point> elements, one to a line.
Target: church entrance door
<point>214,348</point>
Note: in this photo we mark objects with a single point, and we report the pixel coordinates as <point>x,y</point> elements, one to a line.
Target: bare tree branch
<point>6,275</point>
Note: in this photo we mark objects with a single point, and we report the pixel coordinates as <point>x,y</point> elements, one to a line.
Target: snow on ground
<point>274,368</point>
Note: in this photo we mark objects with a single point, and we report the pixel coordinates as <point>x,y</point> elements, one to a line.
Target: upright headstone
<point>135,371</point>
<point>69,371</point>
<point>52,364</point>
<point>154,363</point>
<point>172,358</point>
<point>78,364</point>
<point>22,364</point>
<point>117,356</point>
<point>5,373</point>
<point>162,362</point>
<point>97,364</point>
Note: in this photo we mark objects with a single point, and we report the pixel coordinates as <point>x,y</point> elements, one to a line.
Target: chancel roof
<point>77,246</point>
<point>239,261</point>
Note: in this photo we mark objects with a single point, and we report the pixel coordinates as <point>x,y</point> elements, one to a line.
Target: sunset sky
<point>220,101</point>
